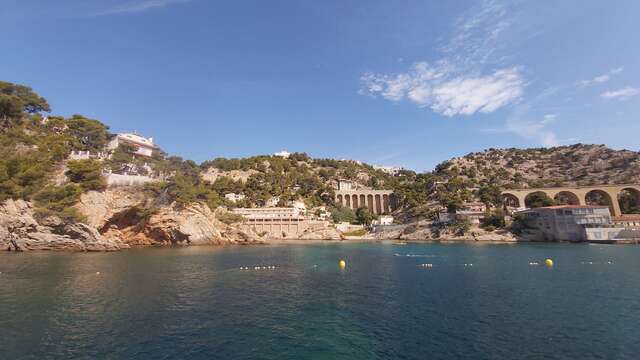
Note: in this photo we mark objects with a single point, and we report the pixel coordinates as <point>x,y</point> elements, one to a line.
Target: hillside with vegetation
<point>578,164</point>
<point>35,167</point>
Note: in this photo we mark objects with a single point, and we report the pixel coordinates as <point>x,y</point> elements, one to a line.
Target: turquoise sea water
<point>196,303</point>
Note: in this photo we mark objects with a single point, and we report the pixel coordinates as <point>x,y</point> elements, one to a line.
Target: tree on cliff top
<point>88,134</point>
<point>13,96</point>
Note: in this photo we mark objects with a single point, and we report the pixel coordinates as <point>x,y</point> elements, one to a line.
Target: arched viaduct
<point>377,201</point>
<point>575,195</point>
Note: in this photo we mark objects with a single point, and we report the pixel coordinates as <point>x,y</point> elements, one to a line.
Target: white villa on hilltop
<point>283,154</point>
<point>391,170</point>
<point>143,146</point>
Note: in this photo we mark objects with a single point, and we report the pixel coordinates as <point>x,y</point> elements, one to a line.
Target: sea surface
<point>197,303</point>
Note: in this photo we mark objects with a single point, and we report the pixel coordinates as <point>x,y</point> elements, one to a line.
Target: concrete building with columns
<point>574,223</point>
<point>377,201</point>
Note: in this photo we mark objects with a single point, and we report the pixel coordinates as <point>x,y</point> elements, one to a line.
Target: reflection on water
<point>197,303</point>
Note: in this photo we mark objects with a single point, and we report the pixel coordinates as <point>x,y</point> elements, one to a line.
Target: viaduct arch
<point>377,201</point>
<point>575,195</point>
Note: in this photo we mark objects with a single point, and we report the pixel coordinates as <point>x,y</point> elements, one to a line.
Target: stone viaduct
<point>378,201</point>
<point>577,195</point>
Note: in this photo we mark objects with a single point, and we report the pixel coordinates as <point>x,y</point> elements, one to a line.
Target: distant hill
<point>578,164</point>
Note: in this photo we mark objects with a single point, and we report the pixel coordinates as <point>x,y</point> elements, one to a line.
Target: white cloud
<point>459,84</point>
<point>601,78</point>
<point>621,94</point>
<point>447,92</point>
<point>141,6</point>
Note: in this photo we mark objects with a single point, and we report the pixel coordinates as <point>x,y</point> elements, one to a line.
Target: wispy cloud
<point>137,6</point>
<point>477,34</point>
<point>521,124</point>
<point>621,94</point>
<point>447,92</point>
<point>601,78</point>
<point>524,121</point>
<point>458,83</point>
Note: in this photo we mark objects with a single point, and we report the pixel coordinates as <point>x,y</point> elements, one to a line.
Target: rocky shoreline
<point>118,219</point>
<point>115,220</point>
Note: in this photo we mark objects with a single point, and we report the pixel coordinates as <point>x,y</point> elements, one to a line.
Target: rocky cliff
<point>116,219</point>
<point>20,231</point>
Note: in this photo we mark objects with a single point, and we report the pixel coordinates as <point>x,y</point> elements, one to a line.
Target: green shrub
<point>493,219</point>
<point>230,218</point>
<point>59,201</point>
<point>87,174</point>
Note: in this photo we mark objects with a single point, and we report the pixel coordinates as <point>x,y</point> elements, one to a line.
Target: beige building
<point>277,222</point>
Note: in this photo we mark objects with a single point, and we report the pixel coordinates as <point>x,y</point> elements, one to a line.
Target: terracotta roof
<point>628,217</point>
<point>574,207</point>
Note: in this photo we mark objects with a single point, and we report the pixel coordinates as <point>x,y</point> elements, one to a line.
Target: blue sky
<point>409,83</point>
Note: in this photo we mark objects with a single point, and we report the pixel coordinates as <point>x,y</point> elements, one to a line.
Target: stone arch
<point>354,201</point>
<point>537,199</point>
<point>566,198</point>
<point>510,200</point>
<point>629,200</point>
<point>370,202</point>
<point>363,201</point>
<point>339,200</point>
<point>378,203</point>
<point>347,201</point>
<point>599,197</point>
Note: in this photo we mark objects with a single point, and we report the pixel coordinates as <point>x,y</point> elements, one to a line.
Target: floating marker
<point>97,272</point>
<point>342,264</point>
<point>548,262</point>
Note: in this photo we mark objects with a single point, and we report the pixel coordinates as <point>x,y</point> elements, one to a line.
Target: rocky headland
<point>115,220</point>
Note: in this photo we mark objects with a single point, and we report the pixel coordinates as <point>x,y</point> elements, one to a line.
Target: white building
<point>283,154</point>
<point>143,146</point>
<point>273,202</point>
<point>391,170</point>
<point>321,213</point>
<point>233,197</point>
<point>344,184</point>
<point>383,220</point>
<point>297,204</point>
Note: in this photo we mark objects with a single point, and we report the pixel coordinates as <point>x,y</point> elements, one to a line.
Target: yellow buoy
<point>548,262</point>
<point>343,264</point>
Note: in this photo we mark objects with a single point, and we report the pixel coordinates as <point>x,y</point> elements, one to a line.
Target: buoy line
<point>269,267</point>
